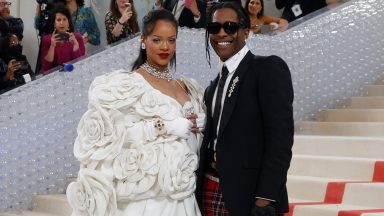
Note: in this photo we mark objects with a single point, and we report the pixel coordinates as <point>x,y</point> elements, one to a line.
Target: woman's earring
<point>143,46</point>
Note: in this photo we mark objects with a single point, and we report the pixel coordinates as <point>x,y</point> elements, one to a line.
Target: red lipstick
<point>164,55</point>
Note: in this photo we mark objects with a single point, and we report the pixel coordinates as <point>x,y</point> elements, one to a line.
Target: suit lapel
<point>169,5</point>
<point>231,95</point>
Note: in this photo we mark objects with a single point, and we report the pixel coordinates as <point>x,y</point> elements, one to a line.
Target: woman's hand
<point>54,39</point>
<point>74,41</point>
<point>127,14</point>
<point>13,66</point>
<point>198,122</point>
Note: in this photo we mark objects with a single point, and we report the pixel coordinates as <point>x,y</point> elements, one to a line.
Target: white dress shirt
<point>231,64</point>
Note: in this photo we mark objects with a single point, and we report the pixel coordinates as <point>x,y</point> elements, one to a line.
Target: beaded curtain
<point>330,56</point>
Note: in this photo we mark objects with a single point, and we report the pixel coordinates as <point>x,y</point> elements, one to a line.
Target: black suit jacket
<point>186,17</point>
<point>255,135</point>
<point>307,7</point>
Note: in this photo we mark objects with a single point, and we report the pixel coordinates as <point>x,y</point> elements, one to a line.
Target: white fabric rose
<point>92,195</point>
<point>153,103</point>
<point>176,175</point>
<point>136,171</point>
<point>101,134</point>
<point>116,90</point>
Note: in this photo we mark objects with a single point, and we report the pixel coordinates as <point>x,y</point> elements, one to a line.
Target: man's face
<point>4,9</point>
<point>227,44</point>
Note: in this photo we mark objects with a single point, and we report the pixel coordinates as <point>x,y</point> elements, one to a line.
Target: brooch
<point>232,88</point>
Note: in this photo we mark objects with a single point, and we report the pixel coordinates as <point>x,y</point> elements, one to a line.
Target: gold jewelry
<point>159,126</point>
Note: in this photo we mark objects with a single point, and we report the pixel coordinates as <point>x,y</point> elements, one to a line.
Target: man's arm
<point>276,98</point>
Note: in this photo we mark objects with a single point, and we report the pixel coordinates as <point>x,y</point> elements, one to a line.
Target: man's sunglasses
<point>229,27</point>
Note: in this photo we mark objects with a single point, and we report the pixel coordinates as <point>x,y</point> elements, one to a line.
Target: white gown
<point>126,168</point>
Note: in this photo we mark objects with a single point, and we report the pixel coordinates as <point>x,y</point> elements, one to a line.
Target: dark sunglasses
<point>229,27</point>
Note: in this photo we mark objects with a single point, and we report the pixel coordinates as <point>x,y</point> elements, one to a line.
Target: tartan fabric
<point>213,205</point>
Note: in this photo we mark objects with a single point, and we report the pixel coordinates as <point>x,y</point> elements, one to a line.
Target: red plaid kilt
<point>213,205</point>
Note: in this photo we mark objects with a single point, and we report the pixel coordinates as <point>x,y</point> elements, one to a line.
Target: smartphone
<point>23,65</point>
<point>63,36</point>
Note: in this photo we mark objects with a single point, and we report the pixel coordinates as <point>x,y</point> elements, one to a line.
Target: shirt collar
<point>233,62</point>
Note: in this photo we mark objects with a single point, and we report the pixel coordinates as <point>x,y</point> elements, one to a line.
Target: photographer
<point>16,70</point>
<point>62,45</point>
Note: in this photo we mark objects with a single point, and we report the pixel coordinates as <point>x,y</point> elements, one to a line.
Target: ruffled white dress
<point>126,168</point>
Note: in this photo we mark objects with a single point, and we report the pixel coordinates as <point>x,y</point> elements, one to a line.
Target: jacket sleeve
<point>276,98</point>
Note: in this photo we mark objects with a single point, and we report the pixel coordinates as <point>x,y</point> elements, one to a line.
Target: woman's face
<point>161,44</point>
<point>122,3</point>
<point>61,23</point>
<point>254,7</point>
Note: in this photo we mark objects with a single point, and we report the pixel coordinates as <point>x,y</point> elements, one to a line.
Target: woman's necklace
<point>165,74</point>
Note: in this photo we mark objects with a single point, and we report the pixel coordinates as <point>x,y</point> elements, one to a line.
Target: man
<point>188,13</point>
<point>246,151</point>
<point>4,9</point>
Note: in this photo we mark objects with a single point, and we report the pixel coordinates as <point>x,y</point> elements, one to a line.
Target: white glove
<point>180,127</point>
<point>200,121</point>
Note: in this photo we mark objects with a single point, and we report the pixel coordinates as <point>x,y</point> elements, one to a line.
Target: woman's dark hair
<point>62,10</point>
<point>149,23</point>
<point>242,16</point>
<point>132,21</point>
<point>261,13</point>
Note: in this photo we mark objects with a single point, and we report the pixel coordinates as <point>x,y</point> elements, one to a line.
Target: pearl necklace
<point>165,74</point>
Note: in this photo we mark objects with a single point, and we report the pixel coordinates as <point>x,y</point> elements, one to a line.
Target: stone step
<point>351,115</point>
<point>350,168</point>
<point>26,213</point>
<point>366,194</point>
<point>357,196</point>
<point>344,146</point>
<point>374,90</point>
<point>55,204</point>
<point>374,102</point>
<point>308,188</point>
<point>372,129</point>
<point>325,209</point>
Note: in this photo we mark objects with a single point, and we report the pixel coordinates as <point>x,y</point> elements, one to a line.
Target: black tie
<point>219,96</point>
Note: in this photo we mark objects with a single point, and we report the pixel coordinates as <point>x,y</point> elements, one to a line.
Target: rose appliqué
<point>136,170</point>
<point>116,90</point>
<point>177,173</point>
<point>101,134</point>
<point>153,103</point>
<point>92,194</point>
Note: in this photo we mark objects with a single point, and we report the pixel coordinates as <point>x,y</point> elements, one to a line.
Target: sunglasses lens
<point>213,28</point>
<point>231,27</point>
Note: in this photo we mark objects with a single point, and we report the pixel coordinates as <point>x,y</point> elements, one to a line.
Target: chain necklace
<point>165,74</point>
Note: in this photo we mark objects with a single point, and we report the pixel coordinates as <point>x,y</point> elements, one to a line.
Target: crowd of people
<point>67,28</point>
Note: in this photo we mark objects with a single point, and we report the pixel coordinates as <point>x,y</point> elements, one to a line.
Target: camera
<point>46,7</point>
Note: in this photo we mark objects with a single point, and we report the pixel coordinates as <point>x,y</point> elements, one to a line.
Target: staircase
<point>337,168</point>
<point>338,164</point>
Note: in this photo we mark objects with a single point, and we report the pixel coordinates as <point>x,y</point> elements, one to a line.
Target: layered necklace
<point>165,74</point>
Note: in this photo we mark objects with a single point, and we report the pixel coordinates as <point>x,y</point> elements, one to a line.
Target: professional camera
<point>46,7</point>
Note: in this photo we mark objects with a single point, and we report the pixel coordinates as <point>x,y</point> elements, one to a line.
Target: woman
<point>121,20</point>
<point>138,141</point>
<point>17,70</point>
<point>255,9</point>
<point>63,44</point>
<point>84,21</point>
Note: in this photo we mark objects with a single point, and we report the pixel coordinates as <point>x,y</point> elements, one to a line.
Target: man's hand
<point>263,207</point>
